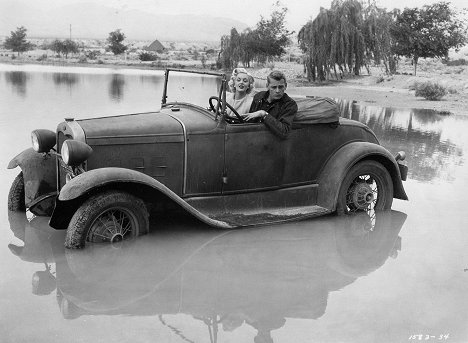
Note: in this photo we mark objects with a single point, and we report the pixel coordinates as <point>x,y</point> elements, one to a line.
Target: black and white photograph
<point>266,171</point>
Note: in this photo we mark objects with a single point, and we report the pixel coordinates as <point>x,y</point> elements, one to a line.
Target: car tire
<point>367,187</point>
<point>16,194</point>
<point>109,217</point>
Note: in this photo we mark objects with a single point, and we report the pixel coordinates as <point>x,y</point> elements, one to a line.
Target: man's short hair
<point>276,75</point>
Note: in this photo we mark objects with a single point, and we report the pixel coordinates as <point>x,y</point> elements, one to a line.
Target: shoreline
<point>362,89</point>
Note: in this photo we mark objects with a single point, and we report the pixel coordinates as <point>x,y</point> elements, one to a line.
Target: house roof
<point>156,46</point>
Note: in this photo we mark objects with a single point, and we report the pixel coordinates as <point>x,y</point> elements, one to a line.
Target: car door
<point>254,158</point>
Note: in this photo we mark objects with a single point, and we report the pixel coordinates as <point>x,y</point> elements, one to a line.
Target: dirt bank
<point>379,89</point>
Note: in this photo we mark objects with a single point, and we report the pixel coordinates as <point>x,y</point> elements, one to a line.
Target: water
<point>331,279</point>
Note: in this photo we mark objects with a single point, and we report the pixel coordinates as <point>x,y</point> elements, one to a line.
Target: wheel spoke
<point>98,234</point>
<point>115,223</point>
<point>128,228</point>
<point>106,226</point>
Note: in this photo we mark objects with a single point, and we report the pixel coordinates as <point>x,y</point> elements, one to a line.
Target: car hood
<point>131,125</point>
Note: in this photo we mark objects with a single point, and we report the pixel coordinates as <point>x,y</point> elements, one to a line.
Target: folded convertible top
<point>316,110</point>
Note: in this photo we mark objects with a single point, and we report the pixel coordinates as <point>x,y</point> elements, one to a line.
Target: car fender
<point>40,178</point>
<point>80,188</point>
<point>338,165</point>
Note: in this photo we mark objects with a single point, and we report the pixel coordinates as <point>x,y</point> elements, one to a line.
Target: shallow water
<point>385,279</point>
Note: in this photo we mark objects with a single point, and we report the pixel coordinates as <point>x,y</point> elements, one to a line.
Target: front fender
<point>341,162</point>
<point>39,173</point>
<point>77,190</point>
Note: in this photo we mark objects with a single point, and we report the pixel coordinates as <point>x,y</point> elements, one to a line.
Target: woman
<point>241,86</point>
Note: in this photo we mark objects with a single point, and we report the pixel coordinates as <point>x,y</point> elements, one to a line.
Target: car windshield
<point>192,87</point>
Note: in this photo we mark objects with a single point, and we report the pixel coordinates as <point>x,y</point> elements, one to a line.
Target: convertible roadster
<point>101,178</point>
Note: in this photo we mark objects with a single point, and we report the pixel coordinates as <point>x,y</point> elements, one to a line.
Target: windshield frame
<point>220,106</point>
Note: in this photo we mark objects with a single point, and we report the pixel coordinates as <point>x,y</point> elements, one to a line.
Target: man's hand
<point>249,116</point>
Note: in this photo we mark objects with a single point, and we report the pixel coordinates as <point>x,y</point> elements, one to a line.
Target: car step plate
<point>268,216</point>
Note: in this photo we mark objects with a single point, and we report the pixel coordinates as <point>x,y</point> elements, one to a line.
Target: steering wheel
<point>227,105</point>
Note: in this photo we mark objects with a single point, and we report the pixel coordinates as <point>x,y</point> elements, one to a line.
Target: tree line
<point>17,43</point>
<point>352,35</point>
<point>349,36</point>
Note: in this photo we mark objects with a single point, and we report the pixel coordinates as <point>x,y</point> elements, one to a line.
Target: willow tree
<point>334,38</point>
<point>347,40</point>
<point>315,41</point>
<point>377,27</point>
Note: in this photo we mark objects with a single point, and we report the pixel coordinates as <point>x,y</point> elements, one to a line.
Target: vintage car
<point>100,178</point>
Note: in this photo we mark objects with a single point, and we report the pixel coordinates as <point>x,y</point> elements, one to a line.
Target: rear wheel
<point>16,194</point>
<point>109,217</point>
<point>367,187</point>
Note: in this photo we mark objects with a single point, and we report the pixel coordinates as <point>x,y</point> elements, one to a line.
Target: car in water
<point>101,178</point>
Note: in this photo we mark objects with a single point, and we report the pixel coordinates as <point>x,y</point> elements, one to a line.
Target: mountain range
<point>95,21</point>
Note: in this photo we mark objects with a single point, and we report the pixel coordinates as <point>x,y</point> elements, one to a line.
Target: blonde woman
<point>240,97</point>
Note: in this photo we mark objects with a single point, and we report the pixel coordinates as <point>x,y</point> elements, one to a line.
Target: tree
<point>64,47</point>
<point>267,40</point>
<point>429,32</point>
<point>115,44</point>
<point>272,35</point>
<point>17,41</point>
<point>334,38</point>
<point>56,46</point>
<point>378,40</point>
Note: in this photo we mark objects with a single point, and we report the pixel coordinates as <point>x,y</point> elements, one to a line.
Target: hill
<point>92,20</point>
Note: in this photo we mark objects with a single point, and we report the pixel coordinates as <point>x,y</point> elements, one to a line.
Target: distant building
<point>156,46</point>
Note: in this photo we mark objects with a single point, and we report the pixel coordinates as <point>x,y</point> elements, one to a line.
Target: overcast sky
<point>247,11</point>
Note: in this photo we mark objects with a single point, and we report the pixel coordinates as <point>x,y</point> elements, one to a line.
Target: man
<point>273,106</point>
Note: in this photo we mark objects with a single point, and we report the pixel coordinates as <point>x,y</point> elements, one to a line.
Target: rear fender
<point>40,177</point>
<point>341,162</point>
<point>79,189</point>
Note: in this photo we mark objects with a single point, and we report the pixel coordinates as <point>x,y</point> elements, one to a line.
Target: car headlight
<point>43,140</point>
<point>74,152</point>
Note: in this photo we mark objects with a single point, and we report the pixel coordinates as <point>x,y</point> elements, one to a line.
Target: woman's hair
<point>234,74</point>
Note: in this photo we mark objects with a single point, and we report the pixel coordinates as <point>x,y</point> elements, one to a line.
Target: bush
<point>100,62</point>
<point>456,63</point>
<point>82,59</point>
<point>41,58</point>
<point>92,54</point>
<point>147,56</point>
<point>430,90</point>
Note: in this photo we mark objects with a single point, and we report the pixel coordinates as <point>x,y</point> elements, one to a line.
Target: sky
<point>247,11</point>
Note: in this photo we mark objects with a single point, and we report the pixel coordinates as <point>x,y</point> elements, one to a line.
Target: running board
<point>268,215</point>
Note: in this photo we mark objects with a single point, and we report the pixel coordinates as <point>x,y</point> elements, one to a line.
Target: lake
<point>400,276</point>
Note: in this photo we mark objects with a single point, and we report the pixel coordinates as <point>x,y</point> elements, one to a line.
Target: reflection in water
<point>116,88</point>
<point>18,80</point>
<point>65,79</point>
<point>224,279</point>
<point>417,132</point>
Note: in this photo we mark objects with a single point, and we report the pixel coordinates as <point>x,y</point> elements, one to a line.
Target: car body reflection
<point>258,277</point>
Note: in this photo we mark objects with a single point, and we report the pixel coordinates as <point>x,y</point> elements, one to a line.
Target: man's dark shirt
<point>281,112</point>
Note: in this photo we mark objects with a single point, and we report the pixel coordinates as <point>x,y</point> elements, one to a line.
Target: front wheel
<point>16,194</point>
<point>367,187</point>
<point>109,217</point>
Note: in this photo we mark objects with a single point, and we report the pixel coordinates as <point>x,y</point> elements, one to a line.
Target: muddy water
<point>401,276</point>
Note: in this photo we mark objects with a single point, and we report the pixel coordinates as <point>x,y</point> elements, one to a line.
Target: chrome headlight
<point>74,152</point>
<point>43,140</point>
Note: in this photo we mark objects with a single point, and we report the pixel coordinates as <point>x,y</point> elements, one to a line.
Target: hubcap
<point>117,238</point>
<point>360,196</point>
<point>114,225</point>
